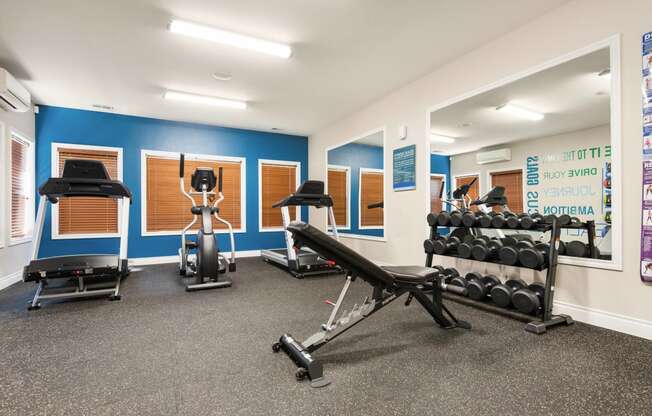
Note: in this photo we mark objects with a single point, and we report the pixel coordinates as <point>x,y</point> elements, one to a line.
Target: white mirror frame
<point>347,234</point>
<point>613,43</point>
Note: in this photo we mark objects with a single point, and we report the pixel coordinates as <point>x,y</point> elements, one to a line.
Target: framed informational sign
<point>646,191</point>
<point>404,168</point>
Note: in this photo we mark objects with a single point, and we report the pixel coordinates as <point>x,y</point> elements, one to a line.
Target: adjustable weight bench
<point>388,283</point>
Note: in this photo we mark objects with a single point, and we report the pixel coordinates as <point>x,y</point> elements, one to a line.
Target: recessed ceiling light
<point>222,76</point>
<point>520,112</point>
<point>104,107</point>
<point>605,73</point>
<point>441,138</point>
<point>228,38</point>
<point>204,99</point>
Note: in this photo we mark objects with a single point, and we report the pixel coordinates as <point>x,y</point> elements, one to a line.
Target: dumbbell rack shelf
<point>536,324</point>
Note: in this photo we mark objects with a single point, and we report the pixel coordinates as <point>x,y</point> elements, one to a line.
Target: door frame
<point>443,177</point>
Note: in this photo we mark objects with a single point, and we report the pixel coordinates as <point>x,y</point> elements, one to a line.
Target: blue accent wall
<point>357,156</point>
<point>132,134</point>
<point>441,164</point>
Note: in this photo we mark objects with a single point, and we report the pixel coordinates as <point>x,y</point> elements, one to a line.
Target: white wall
<point>608,298</point>
<point>12,258</point>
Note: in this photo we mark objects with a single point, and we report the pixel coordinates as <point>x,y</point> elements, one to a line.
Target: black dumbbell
<point>464,281</point>
<point>530,220</point>
<point>432,219</point>
<point>484,220</point>
<point>479,288</point>
<point>486,251</point>
<point>529,300</point>
<point>469,218</point>
<point>465,249</point>
<point>580,249</point>
<point>502,294</point>
<point>514,221</point>
<point>509,254</point>
<point>443,246</point>
<point>538,255</point>
<point>499,220</point>
<point>449,218</point>
<point>429,244</point>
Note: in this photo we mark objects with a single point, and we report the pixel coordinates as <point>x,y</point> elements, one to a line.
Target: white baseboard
<point>615,322</point>
<point>6,281</point>
<point>148,261</point>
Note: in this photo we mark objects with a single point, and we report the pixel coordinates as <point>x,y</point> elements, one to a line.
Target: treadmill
<point>82,275</point>
<point>303,262</point>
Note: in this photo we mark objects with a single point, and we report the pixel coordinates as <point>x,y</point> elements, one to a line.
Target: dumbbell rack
<point>536,324</point>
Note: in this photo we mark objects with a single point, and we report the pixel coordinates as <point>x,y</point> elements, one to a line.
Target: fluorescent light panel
<point>441,139</point>
<point>231,39</point>
<point>520,112</point>
<point>204,99</point>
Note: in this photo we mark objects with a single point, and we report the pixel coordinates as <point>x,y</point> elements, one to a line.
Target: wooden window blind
<point>88,215</point>
<point>337,179</point>
<point>20,188</point>
<point>474,191</point>
<point>513,182</point>
<point>278,181</point>
<point>169,210</point>
<point>371,192</point>
<point>436,184</point>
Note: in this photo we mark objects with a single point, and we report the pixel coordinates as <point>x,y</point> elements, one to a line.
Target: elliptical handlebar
<point>219,180</point>
<point>182,160</point>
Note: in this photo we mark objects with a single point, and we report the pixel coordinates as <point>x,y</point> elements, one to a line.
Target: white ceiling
<point>76,53</point>
<point>571,96</point>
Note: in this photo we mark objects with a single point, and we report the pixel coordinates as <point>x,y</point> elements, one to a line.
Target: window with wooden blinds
<point>277,182</point>
<point>474,190</point>
<point>95,216</point>
<point>22,179</point>
<point>168,210</point>
<point>338,190</point>
<point>512,181</point>
<point>371,192</point>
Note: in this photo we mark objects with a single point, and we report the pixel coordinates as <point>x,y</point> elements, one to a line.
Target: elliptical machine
<point>205,263</point>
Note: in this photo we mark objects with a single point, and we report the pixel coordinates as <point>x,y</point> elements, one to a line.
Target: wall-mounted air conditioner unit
<point>500,155</point>
<point>13,96</point>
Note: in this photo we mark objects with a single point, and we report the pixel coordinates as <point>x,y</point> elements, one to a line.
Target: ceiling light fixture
<point>204,99</point>
<point>228,38</point>
<point>520,112</point>
<point>441,139</point>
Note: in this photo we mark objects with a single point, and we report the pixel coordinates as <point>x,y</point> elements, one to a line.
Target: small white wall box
<point>494,156</point>
<point>402,132</point>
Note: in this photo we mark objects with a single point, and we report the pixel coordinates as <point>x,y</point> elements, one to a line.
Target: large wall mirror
<point>356,182</point>
<point>550,137</point>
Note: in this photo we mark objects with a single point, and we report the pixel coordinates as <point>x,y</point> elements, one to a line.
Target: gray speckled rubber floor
<point>162,351</point>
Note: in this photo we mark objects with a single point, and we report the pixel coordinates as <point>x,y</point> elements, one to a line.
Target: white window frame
<point>55,173</point>
<point>144,153</point>
<point>347,169</point>
<point>368,227</point>
<point>443,177</point>
<point>31,169</point>
<point>262,162</point>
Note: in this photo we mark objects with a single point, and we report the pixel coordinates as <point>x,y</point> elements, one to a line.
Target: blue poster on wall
<point>404,168</point>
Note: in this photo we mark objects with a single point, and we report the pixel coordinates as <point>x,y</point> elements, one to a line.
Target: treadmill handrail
<point>305,200</point>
